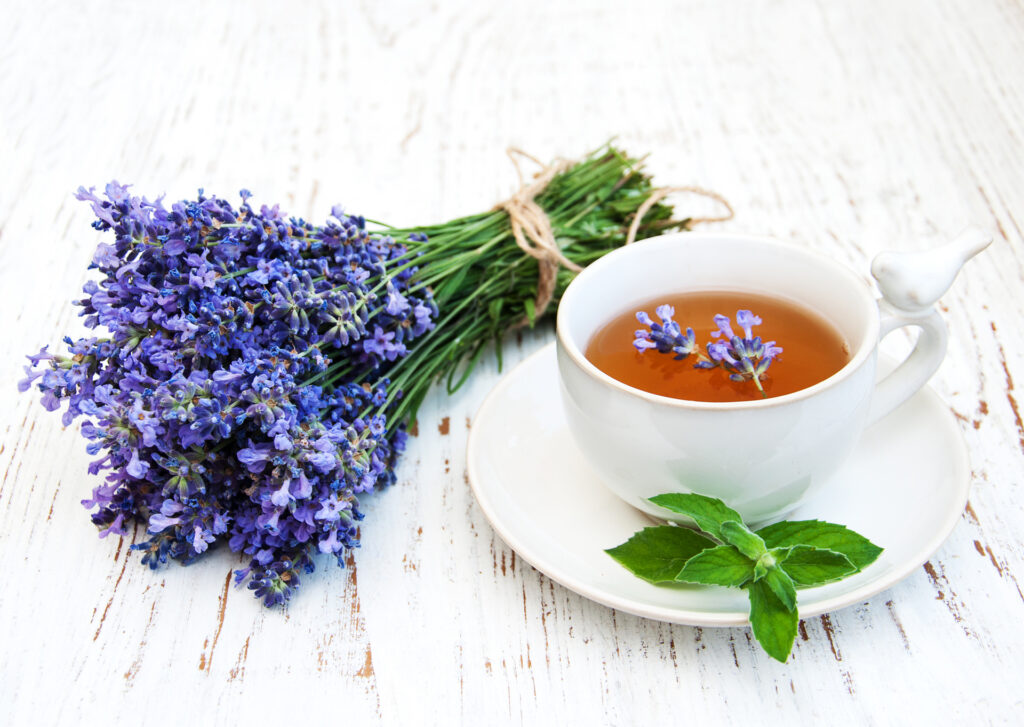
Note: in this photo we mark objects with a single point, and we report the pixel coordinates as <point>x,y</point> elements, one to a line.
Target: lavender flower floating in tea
<point>734,364</point>
<point>665,337</point>
<point>746,359</point>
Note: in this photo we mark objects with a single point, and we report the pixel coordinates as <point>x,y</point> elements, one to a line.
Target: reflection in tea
<point>813,348</point>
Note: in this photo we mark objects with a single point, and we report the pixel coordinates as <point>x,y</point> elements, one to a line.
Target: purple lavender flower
<point>30,376</point>
<point>137,468</point>
<point>665,337</point>
<point>746,359</point>
<point>383,344</point>
<point>396,302</point>
<point>275,582</point>
<point>282,496</point>
<point>330,509</point>
<point>424,314</point>
<point>158,521</point>
<point>330,544</point>
<point>201,538</point>
<point>747,321</point>
<point>116,527</point>
<point>255,456</point>
<point>221,402</point>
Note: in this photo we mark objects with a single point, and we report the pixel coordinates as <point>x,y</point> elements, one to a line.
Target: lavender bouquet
<point>257,372</point>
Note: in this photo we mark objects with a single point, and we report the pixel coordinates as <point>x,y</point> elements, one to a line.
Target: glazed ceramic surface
<point>764,457</point>
<point>545,498</point>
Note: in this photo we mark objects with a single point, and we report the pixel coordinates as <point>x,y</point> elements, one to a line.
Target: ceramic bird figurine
<point>914,281</point>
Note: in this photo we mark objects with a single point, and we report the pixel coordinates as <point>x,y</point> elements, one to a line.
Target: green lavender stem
<point>485,286</point>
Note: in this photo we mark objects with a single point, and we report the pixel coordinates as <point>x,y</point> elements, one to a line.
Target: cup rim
<point>866,347</point>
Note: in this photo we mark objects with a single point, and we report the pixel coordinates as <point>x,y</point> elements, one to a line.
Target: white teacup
<point>765,457</point>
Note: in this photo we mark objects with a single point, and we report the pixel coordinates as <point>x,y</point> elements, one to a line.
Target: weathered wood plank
<point>849,128</point>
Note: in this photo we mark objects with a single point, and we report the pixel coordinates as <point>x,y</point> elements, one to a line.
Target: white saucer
<point>904,487</point>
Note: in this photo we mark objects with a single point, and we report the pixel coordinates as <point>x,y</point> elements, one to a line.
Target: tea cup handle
<point>918,367</point>
<point>911,284</point>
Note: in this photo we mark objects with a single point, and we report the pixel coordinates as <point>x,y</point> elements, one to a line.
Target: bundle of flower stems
<point>257,373</point>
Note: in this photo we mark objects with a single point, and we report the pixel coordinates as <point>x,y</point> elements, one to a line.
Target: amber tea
<point>813,349</point>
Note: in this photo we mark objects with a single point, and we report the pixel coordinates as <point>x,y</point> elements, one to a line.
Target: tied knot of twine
<point>531,227</point>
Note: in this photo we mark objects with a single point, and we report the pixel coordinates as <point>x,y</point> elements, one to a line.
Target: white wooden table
<point>847,127</point>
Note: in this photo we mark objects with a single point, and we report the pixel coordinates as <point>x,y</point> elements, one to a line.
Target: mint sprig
<point>708,512</point>
<point>838,538</point>
<point>770,563</point>
<point>658,554</point>
<point>719,566</point>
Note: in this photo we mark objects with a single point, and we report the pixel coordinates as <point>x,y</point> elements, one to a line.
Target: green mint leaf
<point>768,561</point>
<point>738,534</point>
<point>773,624</point>
<point>721,566</point>
<point>760,570</point>
<point>708,512</point>
<point>837,538</point>
<point>782,586</point>
<point>810,566</point>
<point>658,554</point>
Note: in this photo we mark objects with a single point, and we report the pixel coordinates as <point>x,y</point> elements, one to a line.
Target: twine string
<point>663,192</point>
<point>531,227</point>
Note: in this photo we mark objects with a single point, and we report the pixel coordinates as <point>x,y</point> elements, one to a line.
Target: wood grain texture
<point>846,127</point>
